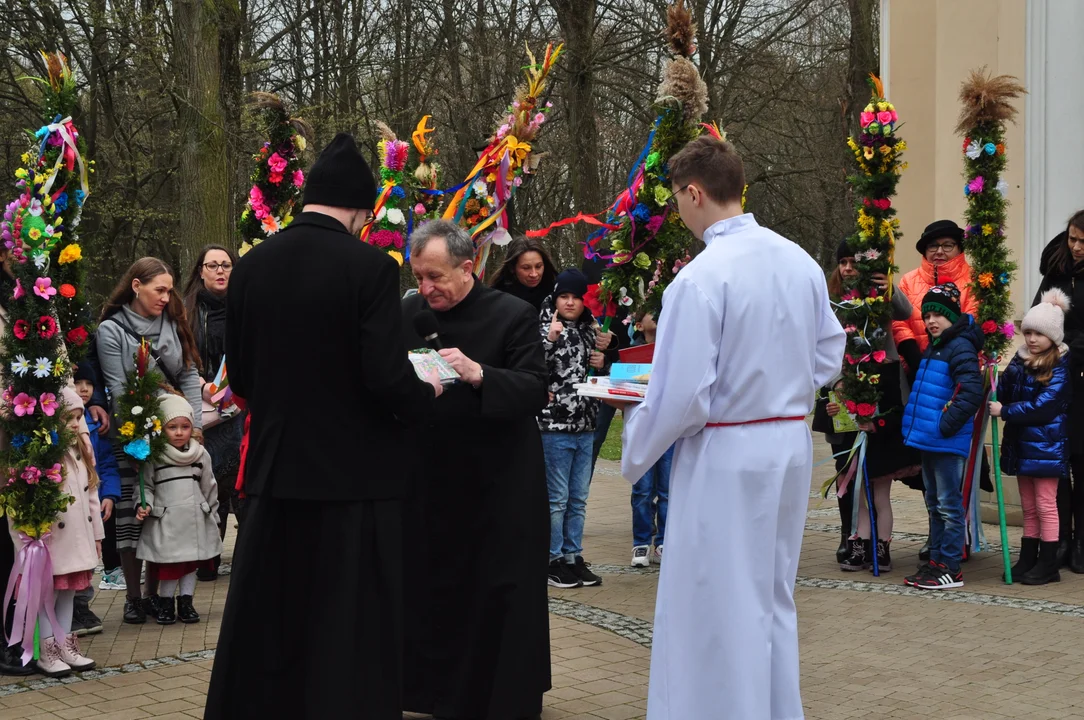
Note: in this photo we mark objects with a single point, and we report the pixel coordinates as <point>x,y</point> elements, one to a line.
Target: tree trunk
<point>203,181</point>
<point>861,61</point>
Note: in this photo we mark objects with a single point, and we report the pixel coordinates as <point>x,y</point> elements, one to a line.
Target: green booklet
<point>426,360</point>
<point>844,421</point>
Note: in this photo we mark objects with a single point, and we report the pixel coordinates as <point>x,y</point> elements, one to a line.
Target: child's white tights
<point>65,608</point>
<point>188,586</point>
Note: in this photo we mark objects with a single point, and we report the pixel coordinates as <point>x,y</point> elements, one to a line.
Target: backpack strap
<point>170,378</point>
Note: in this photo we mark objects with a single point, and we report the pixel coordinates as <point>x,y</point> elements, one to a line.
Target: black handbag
<point>822,422</point>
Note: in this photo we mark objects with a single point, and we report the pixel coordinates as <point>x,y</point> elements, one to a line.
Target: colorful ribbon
<point>35,593</point>
<point>69,156</point>
<point>577,218</point>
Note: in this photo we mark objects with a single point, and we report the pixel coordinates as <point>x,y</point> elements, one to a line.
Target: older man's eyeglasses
<point>216,266</point>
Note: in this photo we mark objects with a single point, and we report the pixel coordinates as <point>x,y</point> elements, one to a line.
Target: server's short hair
<point>712,165</point>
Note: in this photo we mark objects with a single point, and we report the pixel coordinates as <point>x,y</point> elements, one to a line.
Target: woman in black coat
<point>205,306</point>
<point>1062,267</point>
<point>528,272</point>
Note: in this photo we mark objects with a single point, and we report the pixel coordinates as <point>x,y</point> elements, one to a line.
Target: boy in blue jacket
<point>84,621</point>
<point>938,421</point>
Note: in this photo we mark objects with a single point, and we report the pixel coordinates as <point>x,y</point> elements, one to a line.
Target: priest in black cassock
<point>312,624</point>
<point>477,623</point>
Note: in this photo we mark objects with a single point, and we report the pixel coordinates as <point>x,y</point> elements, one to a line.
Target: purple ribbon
<point>36,589</point>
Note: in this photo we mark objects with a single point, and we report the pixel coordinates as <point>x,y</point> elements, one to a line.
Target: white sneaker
<point>50,663</point>
<point>113,580</point>
<point>656,555</point>
<point>225,569</point>
<point>69,653</point>
<point>639,556</point>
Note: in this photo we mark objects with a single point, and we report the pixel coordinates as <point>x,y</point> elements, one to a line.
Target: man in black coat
<point>478,546</point>
<point>312,624</point>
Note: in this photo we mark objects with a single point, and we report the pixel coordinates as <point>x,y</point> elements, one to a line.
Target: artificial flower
<point>641,213</point>
<point>852,406</point>
<point>480,188</point>
<point>34,234</point>
<point>539,118</point>
<point>137,410</point>
<point>156,425</point>
<point>1002,187</point>
<point>20,366</point>
<point>884,117</point>
<point>67,290</point>
<point>71,253</point>
<point>386,238</point>
<point>127,429</point>
<point>46,327</point>
<point>42,367</point>
<point>973,150</point>
<point>21,329</point>
<point>987,229</point>
<point>299,142</point>
<point>39,259</point>
<point>868,153</point>
<point>277,163</point>
<point>874,379</point>
<point>867,409</point>
<point>654,224</point>
<point>54,473</point>
<point>48,404</point>
<point>642,261</point>
<point>986,279</point>
<point>989,148</point>
<point>139,449</point>
<point>35,207</point>
<point>395,216</point>
<point>662,194</point>
<point>274,178</point>
<point>270,225</point>
<point>989,327</point>
<point>976,185</point>
<point>59,368</point>
<point>398,192</point>
<point>24,404</point>
<point>865,118</point>
<point>419,209</point>
<point>20,440</point>
<point>32,475</point>
<point>879,356</point>
<point>77,336</point>
<point>1008,330</point>
<point>397,256</point>
<point>1003,278</point>
<point>299,178</point>
<point>43,288</point>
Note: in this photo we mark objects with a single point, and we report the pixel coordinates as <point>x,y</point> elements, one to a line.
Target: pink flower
<point>518,181</point>
<point>19,292</point>
<point>882,203</point>
<point>299,178</point>
<point>419,209</point>
<point>895,117</point>
<point>884,117</point>
<point>255,196</point>
<point>24,404</point>
<point>275,177</point>
<point>8,394</point>
<point>1008,330</point>
<point>879,356</point>
<point>851,295</point>
<point>503,130</point>
<point>277,163</point>
<point>866,118</point>
<point>384,238</point>
<point>43,288</point>
<point>873,292</point>
<point>54,473</point>
<point>654,224</point>
<point>31,474</point>
<point>976,185</point>
<point>539,118</point>
<point>49,404</point>
<point>395,154</point>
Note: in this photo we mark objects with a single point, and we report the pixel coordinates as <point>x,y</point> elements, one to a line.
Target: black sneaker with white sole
<point>561,575</point>
<point>582,570</point>
<point>940,577</point>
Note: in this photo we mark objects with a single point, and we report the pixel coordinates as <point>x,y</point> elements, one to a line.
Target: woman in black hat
<point>1062,266</point>
<point>942,250</point>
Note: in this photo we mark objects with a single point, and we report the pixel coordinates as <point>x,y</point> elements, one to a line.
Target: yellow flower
<point>868,153</point>
<point>986,279</point>
<point>26,158</point>
<point>34,233</point>
<point>59,368</point>
<point>865,221</point>
<point>987,229</point>
<point>882,106</point>
<point>157,425</point>
<point>885,149</point>
<point>901,146</point>
<point>299,141</point>
<point>398,257</point>
<point>874,379</point>
<point>852,144</point>
<point>70,254</point>
<point>127,429</point>
<point>22,174</point>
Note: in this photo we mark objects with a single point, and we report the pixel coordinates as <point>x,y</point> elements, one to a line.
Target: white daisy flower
<point>43,367</point>
<point>20,366</point>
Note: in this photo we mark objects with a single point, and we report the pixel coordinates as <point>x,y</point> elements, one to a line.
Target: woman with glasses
<point>205,303</point>
<point>942,250</point>
<point>1061,266</point>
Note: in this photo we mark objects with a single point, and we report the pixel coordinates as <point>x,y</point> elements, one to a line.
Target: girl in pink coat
<point>74,547</point>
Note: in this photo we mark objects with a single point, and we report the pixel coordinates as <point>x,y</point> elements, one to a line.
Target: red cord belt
<point>757,422</point>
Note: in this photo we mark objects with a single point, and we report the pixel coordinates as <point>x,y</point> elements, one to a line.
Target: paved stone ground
<point>871,648</point>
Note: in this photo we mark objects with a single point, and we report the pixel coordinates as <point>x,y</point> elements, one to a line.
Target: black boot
<point>11,661</point>
<point>185,611</point>
<point>1029,555</point>
<point>84,621</point>
<point>150,605</point>
<point>1076,556</point>
<point>884,558</point>
<point>858,554</point>
<point>167,611</point>
<point>134,614</point>
<point>1064,550</point>
<point>1046,569</point>
<point>842,551</point>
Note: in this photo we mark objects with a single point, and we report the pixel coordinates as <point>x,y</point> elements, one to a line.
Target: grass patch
<point>611,448</point>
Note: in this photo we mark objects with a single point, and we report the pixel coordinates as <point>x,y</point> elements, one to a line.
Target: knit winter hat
<point>943,300</point>
<point>571,281</point>
<point>843,251</point>
<point>1048,317</point>
<point>70,399</point>
<point>340,177</point>
<point>82,372</point>
<point>174,406</point>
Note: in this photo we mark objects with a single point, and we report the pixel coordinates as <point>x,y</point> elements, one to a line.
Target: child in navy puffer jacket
<point>1034,395</point>
<point>938,421</point>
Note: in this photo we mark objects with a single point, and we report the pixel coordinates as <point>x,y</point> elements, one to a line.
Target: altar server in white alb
<point>746,337</point>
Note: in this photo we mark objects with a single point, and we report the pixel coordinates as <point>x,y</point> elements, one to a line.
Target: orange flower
<point>986,279</point>
<point>1001,148</point>
<point>67,290</point>
<point>484,212</point>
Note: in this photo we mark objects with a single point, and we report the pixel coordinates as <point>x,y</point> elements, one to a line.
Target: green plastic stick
<point>605,328</point>
<point>37,640</point>
<point>997,487</point>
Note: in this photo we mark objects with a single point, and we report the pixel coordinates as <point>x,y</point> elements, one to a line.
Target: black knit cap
<point>571,281</point>
<point>82,372</point>
<point>340,177</point>
<point>843,251</point>
<point>940,229</point>
<point>943,300</point>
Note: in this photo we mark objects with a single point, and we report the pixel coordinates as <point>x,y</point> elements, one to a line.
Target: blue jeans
<point>944,476</point>
<point>568,477</point>
<point>649,515</point>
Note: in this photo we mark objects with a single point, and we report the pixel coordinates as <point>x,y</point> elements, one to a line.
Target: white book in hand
<point>426,361</point>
